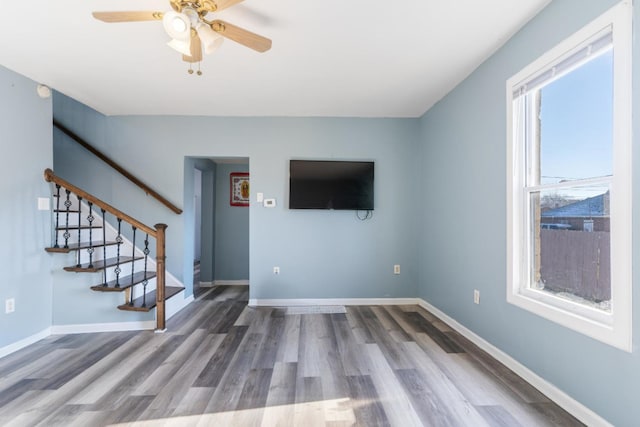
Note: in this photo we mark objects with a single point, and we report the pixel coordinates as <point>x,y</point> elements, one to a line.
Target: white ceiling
<point>351,58</point>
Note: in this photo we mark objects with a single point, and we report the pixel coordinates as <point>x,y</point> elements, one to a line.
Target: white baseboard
<point>173,305</point>
<point>230,283</point>
<point>19,345</point>
<point>255,302</point>
<point>575,408</point>
<point>206,284</point>
<point>102,327</point>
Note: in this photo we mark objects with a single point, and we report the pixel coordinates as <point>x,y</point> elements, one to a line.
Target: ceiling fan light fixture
<point>209,38</point>
<point>184,47</point>
<point>177,25</point>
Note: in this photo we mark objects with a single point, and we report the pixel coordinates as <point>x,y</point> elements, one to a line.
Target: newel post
<point>160,276</point>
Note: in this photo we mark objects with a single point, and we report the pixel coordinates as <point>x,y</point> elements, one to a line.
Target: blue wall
<point>464,233</point>
<point>328,254</point>
<point>25,137</point>
<point>232,229</point>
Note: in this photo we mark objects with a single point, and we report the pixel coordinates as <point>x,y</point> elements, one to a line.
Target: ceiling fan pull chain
<point>199,72</point>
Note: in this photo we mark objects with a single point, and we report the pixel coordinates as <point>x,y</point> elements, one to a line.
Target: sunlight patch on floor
<point>338,412</point>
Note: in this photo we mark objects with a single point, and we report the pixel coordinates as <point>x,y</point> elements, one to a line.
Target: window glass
<point>576,119</point>
<point>571,240</point>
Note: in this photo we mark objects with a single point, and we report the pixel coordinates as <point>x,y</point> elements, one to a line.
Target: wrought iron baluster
<point>119,242</point>
<point>79,226</point>
<point>133,256</point>
<point>90,219</point>
<point>55,245</point>
<point>104,246</point>
<point>145,281</point>
<point>67,204</point>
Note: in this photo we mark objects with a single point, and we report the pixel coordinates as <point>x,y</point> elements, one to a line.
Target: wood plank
<point>267,353</point>
<point>194,401</point>
<point>279,408</point>
<point>360,331</point>
<point>309,409</point>
<point>147,302</point>
<point>498,416</point>
<point>115,368</point>
<point>368,409</point>
<point>289,349</point>
<point>516,384</point>
<point>420,323</point>
<point>393,398</point>
<point>101,264</point>
<point>78,246</point>
<point>269,369</point>
<point>227,394</point>
<point>389,346</point>
<point>172,380</point>
<point>124,282</point>
<point>250,408</point>
<point>390,324</point>
<point>139,370</point>
<point>352,355</point>
<point>76,227</point>
<point>431,380</point>
<point>213,372</point>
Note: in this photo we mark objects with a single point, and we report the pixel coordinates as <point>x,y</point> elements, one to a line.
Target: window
<point>569,182</point>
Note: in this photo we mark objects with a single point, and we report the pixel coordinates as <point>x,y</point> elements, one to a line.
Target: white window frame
<point>612,327</point>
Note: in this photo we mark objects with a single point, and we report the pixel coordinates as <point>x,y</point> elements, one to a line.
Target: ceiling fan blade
<point>223,4</point>
<point>242,36</point>
<point>196,49</point>
<point>127,16</point>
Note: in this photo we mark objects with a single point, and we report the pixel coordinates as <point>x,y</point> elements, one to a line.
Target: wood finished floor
<point>222,363</point>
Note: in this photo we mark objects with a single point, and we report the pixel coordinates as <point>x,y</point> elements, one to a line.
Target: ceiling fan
<point>190,28</point>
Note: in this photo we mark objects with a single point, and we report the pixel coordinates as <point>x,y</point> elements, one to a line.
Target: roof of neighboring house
<point>591,207</point>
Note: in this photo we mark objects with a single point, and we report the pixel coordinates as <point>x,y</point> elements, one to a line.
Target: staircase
<point>120,251</point>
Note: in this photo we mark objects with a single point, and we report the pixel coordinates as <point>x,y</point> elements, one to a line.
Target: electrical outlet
<point>276,270</point>
<point>10,305</point>
<point>476,296</point>
<point>396,269</point>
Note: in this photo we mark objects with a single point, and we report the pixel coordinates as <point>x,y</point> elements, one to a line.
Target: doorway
<point>220,225</point>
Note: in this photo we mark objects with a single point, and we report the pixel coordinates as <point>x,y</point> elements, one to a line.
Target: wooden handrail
<point>49,176</point>
<point>99,154</point>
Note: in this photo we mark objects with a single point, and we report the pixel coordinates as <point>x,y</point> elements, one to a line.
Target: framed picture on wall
<point>239,188</point>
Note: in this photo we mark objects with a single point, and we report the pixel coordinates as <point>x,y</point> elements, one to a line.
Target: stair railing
<point>158,232</point>
<point>148,190</point>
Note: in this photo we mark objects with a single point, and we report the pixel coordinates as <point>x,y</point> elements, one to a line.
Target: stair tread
<point>79,246</point>
<point>101,264</point>
<point>150,299</point>
<point>125,282</point>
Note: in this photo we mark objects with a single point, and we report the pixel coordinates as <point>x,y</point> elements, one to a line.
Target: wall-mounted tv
<point>331,184</point>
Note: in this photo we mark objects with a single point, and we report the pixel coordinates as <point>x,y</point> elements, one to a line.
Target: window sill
<point>596,324</point>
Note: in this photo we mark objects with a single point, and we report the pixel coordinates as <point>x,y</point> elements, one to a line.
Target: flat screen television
<point>331,184</point>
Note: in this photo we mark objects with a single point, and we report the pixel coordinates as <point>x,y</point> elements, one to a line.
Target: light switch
<point>259,197</point>
<point>43,203</point>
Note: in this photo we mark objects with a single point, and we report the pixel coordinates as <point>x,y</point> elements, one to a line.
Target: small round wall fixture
<point>43,91</point>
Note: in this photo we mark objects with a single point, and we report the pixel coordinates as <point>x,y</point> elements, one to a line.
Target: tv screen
<point>330,184</point>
